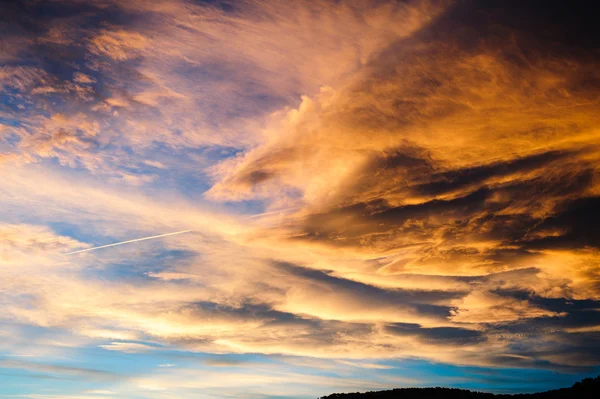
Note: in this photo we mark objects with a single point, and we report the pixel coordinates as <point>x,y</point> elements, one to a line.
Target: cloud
<point>365,181</point>
<point>169,74</point>
<point>71,372</point>
<point>30,239</point>
<point>489,308</point>
<point>127,347</point>
<point>270,307</point>
<point>118,45</point>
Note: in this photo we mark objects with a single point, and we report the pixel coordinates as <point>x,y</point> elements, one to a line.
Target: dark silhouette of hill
<point>587,388</point>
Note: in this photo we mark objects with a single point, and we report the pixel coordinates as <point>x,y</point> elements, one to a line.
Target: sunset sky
<point>366,195</point>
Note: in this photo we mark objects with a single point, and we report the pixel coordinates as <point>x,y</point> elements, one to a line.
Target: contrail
<point>126,242</point>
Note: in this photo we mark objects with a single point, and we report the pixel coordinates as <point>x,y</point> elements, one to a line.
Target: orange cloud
<point>429,183</point>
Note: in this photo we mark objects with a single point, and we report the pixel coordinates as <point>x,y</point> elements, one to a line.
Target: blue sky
<point>366,195</point>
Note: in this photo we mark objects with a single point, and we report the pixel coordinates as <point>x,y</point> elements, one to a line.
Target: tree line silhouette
<point>588,388</point>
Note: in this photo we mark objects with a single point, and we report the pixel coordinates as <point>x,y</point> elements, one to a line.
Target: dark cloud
<point>449,334</point>
<point>565,29</point>
<point>449,181</point>
<point>458,208</point>
<point>578,223</point>
<point>422,300</point>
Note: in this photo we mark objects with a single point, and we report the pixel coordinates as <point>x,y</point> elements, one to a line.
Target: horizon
<point>274,199</point>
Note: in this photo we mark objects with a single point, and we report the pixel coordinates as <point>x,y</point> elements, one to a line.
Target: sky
<point>365,194</point>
